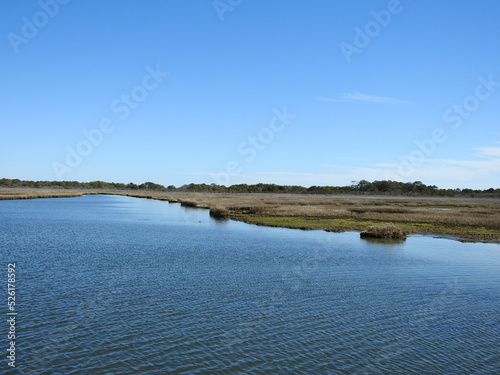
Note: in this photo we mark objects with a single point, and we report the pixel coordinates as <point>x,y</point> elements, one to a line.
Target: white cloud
<point>302,174</point>
<point>359,97</point>
<point>491,164</point>
<point>303,179</point>
<point>475,172</point>
<point>479,172</point>
<point>387,165</point>
<point>488,151</point>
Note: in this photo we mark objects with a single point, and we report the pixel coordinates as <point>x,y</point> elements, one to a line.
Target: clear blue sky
<point>288,92</point>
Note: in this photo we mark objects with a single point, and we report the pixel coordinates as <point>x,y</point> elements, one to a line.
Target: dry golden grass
<point>27,193</point>
<point>383,231</point>
<point>473,218</point>
<point>454,211</point>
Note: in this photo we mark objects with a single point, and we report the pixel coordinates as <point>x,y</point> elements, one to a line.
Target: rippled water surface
<point>119,285</point>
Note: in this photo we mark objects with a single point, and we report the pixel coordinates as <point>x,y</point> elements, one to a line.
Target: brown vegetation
<point>476,219</point>
<point>219,213</point>
<point>383,231</point>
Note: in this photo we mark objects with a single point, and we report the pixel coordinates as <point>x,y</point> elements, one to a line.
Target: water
<point>119,285</point>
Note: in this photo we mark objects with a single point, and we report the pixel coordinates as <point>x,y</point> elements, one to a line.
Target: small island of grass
<point>414,208</point>
<point>385,231</point>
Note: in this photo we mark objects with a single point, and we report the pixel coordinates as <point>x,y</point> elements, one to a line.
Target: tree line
<point>384,187</point>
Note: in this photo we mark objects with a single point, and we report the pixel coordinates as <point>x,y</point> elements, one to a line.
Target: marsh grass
<point>390,231</point>
<point>468,218</point>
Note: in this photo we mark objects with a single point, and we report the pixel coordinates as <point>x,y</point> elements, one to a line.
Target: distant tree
<point>151,186</point>
<point>364,186</point>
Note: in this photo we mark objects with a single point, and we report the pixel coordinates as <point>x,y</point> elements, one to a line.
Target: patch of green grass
<point>335,225</point>
<point>463,232</point>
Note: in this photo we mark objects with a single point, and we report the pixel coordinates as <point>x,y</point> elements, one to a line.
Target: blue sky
<point>296,92</point>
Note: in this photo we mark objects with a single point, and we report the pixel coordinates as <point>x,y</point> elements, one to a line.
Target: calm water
<point>118,285</point>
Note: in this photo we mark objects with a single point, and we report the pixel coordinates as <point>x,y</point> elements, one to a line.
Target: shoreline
<point>461,219</point>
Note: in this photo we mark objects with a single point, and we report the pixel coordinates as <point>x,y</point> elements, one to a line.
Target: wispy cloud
<point>481,170</point>
<point>300,174</point>
<point>487,159</point>
<point>387,165</point>
<point>304,178</point>
<point>488,152</point>
<point>486,165</point>
<point>353,97</point>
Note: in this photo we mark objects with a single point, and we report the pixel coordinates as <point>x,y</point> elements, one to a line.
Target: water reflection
<point>134,286</point>
<point>387,242</point>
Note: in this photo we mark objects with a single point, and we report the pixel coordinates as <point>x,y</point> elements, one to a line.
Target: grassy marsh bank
<point>469,219</point>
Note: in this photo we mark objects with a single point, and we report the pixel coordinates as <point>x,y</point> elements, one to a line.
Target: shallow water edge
<point>264,210</point>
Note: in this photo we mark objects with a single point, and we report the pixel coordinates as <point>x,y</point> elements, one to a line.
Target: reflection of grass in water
<point>384,241</point>
<point>475,219</point>
<point>219,213</point>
